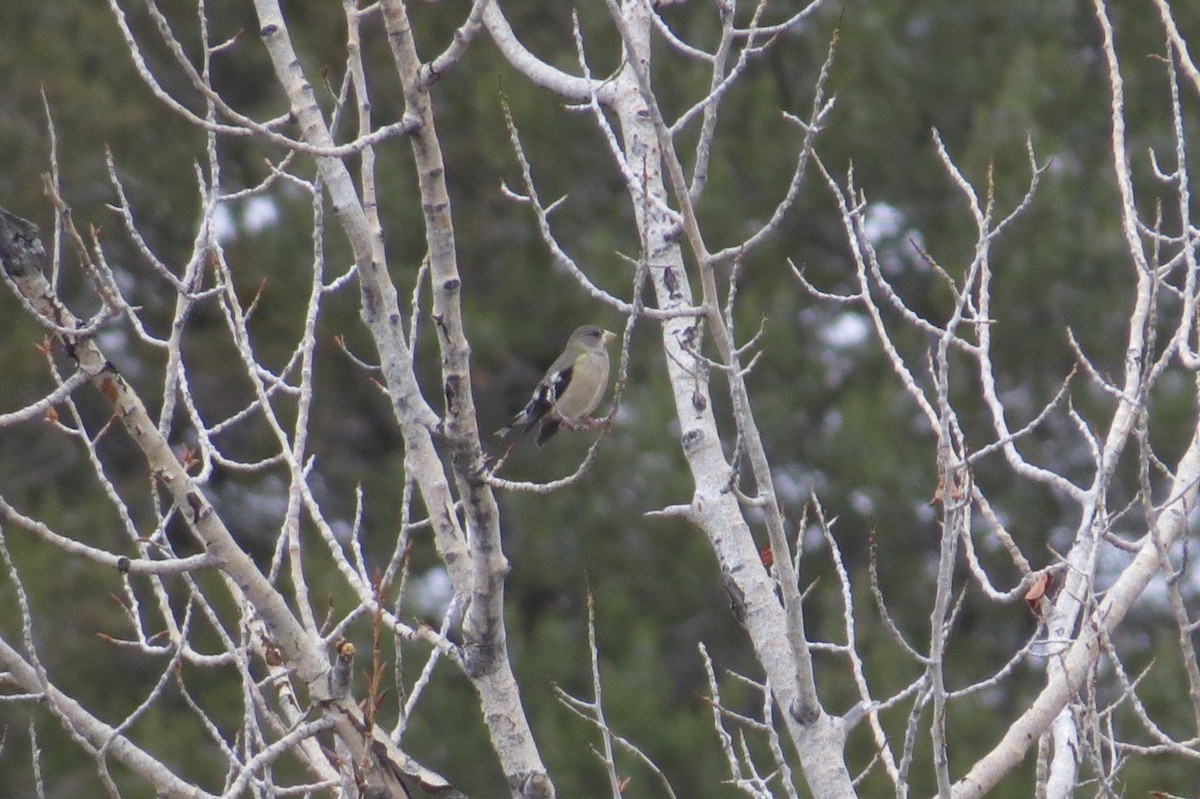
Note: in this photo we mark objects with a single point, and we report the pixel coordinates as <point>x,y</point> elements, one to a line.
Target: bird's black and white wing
<point>544,397</point>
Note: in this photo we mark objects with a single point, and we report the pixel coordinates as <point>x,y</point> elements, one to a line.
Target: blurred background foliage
<point>986,76</point>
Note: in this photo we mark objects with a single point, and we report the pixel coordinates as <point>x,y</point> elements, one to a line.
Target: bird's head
<point>592,337</point>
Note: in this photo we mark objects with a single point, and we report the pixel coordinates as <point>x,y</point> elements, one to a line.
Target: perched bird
<point>571,388</point>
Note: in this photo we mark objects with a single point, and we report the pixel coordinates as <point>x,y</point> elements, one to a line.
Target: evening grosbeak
<point>571,388</point>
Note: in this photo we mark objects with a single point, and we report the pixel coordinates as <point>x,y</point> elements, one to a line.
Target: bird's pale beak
<point>609,337</point>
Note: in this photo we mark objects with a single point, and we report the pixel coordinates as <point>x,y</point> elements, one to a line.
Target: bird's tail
<point>549,428</point>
